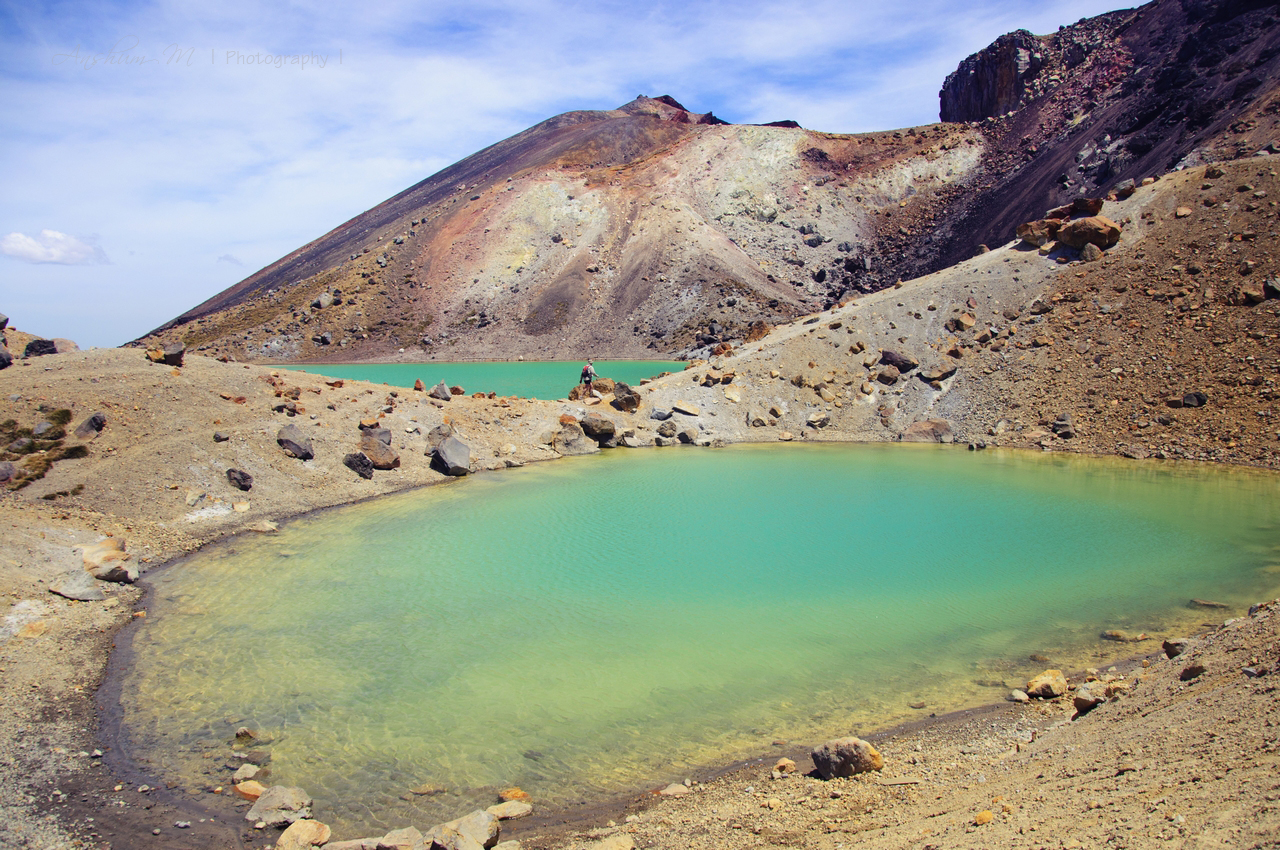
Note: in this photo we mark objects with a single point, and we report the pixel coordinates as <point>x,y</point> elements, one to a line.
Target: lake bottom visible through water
<point>613,622</point>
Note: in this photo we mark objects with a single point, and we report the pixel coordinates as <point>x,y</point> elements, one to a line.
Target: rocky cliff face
<point>1122,96</point>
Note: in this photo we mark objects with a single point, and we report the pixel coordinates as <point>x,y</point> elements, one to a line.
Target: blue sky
<point>153,154</point>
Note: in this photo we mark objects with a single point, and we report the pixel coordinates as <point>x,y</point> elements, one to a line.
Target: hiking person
<point>588,376</point>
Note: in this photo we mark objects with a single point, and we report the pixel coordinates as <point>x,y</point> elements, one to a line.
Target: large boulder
<point>379,453</point>
<point>480,827</point>
<point>1040,232</point>
<point>624,398</point>
<point>440,391</point>
<point>572,440</point>
<point>599,428</point>
<point>1048,685</point>
<point>304,835</point>
<point>40,347</point>
<point>902,362</point>
<point>6,359</point>
<point>452,457</point>
<point>928,431</point>
<point>295,443</point>
<point>1094,230</point>
<point>280,805</point>
<point>437,435</point>
<point>844,757</point>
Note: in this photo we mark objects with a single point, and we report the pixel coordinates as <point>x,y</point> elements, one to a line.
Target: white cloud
<point>51,247</point>
<point>228,258</point>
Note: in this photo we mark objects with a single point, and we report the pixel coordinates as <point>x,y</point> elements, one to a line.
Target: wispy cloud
<point>177,131</point>
<point>51,247</point>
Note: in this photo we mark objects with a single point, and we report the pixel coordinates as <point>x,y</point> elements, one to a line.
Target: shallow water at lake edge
<point>579,644</point>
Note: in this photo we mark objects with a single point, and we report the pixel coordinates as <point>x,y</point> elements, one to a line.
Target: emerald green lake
<point>529,379</point>
<point>610,622</point>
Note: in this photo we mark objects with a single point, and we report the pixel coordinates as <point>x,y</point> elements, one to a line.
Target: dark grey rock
<point>4,321</point>
<point>7,471</point>
<point>21,446</point>
<point>92,426</point>
<point>359,464</point>
<point>6,359</point>
<point>625,398</point>
<point>1173,647</point>
<point>219,437</point>
<point>452,457</point>
<point>377,432</point>
<point>1196,399</point>
<point>295,443</point>
<point>46,431</point>
<point>40,347</point>
<point>572,440</point>
<point>687,434</point>
<point>173,354</point>
<point>660,415</point>
<point>240,479</point>
<point>667,429</point>
<point>904,363</point>
<point>440,391</point>
<point>1064,426</point>
<point>599,428</point>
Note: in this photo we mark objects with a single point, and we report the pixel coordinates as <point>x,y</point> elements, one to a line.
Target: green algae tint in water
<point>528,379</point>
<point>582,627</point>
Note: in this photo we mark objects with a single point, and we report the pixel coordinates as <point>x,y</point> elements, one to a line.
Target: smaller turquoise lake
<point>542,379</point>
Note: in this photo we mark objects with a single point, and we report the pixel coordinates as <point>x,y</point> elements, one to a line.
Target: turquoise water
<point>588,626</point>
<point>531,379</point>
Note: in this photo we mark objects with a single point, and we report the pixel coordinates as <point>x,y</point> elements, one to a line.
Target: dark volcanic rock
<point>91,426</point>
<point>992,81</point>
<point>452,457</point>
<point>240,479</point>
<point>902,362</point>
<point>441,391</point>
<point>359,463</point>
<point>40,347</point>
<point>625,398</point>
<point>6,359</point>
<point>295,443</point>
<point>598,428</point>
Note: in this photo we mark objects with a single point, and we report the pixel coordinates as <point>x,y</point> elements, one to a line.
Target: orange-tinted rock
<point>1040,232</point>
<point>250,789</point>
<point>1095,230</point>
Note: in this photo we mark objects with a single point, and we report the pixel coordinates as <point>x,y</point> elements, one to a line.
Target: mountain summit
<point>653,230</point>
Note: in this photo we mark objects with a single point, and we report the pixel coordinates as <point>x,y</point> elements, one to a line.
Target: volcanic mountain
<point>653,230</point>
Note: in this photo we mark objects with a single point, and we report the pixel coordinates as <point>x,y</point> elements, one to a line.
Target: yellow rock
<point>509,794</point>
<point>102,552</point>
<point>240,507</point>
<point>303,835</point>
<point>250,789</point>
<point>983,817</point>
